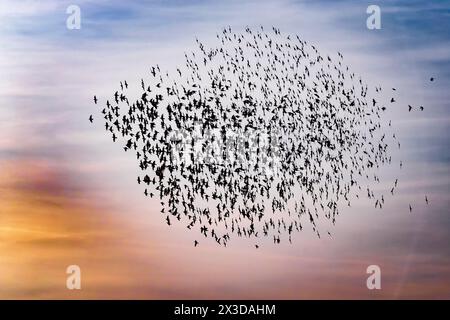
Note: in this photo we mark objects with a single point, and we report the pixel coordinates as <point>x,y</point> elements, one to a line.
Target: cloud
<point>69,195</point>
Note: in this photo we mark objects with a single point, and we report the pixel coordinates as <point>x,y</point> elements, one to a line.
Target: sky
<point>68,196</point>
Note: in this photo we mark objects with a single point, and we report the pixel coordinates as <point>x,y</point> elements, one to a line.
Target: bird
<point>238,143</point>
<point>91,118</point>
<point>431,79</point>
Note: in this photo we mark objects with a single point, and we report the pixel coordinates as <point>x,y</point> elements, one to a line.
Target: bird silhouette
<point>254,136</point>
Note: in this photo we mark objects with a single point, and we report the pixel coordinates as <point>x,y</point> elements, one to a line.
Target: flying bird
<point>243,145</point>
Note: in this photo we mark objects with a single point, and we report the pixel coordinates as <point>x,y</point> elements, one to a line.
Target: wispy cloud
<point>67,194</point>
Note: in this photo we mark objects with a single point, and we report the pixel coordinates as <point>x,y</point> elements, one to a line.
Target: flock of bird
<point>256,136</point>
